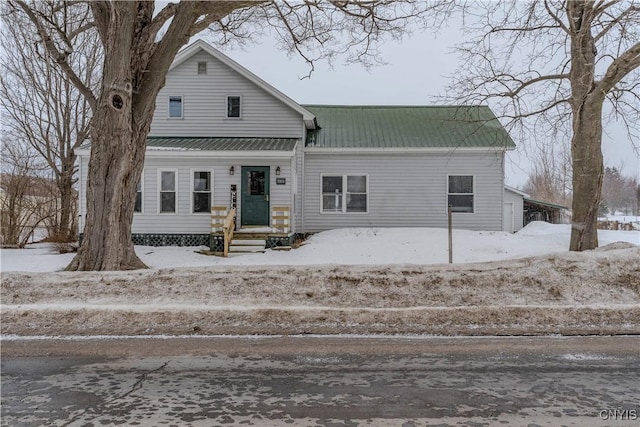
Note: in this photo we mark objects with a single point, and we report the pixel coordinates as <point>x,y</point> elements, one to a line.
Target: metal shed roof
<point>545,204</point>
<point>221,144</point>
<point>407,127</point>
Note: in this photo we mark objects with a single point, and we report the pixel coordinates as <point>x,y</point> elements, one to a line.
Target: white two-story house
<point>222,138</point>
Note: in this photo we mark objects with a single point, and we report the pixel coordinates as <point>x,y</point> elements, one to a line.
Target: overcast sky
<point>417,70</point>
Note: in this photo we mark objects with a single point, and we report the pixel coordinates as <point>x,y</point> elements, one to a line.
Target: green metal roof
<point>407,127</point>
<point>221,144</point>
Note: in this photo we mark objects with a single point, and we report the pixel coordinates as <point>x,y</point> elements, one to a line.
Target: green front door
<point>255,195</point>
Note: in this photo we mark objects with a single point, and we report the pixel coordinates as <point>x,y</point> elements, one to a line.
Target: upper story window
<point>336,199</point>
<point>460,193</point>
<point>233,106</point>
<point>202,68</point>
<point>175,107</point>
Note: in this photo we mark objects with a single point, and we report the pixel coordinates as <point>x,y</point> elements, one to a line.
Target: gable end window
<point>175,107</point>
<point>344,193</point>
<point>202,68</point>
<point>201,191</point>
<point>233,106</point>
<point>168,192</point>
<point>460,193</point>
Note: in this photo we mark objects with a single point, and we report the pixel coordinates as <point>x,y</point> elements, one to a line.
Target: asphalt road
<point>271,381</point>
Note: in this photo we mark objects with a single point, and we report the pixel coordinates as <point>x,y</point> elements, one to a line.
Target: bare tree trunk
<point>116,161</point>
<point>65,186</point>
<point>586,142</point>
<point>588,173</point>
<point>117,156</point>
<point>121,122</point>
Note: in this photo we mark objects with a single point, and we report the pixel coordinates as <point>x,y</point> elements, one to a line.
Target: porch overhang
<point>221,147</point>
<point>221,154</point>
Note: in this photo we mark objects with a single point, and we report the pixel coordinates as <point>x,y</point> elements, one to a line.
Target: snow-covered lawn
<point>352,246</point>
<point>364,280</point>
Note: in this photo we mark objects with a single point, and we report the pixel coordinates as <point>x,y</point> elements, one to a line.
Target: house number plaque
<point>281,181</point>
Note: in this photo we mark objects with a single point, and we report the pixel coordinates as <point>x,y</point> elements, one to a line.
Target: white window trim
<point>181,107</point>
<point>344,193</point>
<point>192,170</point>
<point>141,195</point>
<point>447,194</point>
<point>160,190</point>
<point>206,66</point>
<point>226,107</point>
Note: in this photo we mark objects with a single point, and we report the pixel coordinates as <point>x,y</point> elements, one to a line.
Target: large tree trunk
<point>117,155</point>
<point>117,158</point>
<point>586,143</point>
<point>588,173</point>
<point>133,73</point>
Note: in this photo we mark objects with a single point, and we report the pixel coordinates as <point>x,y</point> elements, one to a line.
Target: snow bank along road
<point>596,292</point>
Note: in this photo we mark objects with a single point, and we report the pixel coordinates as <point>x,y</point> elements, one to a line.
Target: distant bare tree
<point>23,210</point>
<point>43,106</point>
<point>553,63</point>
<point>550,176</point>
<point>140,43</point>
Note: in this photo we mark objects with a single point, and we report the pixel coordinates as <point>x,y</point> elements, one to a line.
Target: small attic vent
<point>202,68</point>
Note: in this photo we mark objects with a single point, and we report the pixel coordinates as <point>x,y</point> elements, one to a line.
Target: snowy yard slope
<point>593,292</point>
<point>351,246</point>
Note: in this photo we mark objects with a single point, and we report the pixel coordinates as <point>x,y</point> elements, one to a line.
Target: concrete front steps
<point>244,246</point>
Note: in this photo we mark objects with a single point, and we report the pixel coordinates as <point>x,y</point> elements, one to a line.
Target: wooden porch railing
<point>227,229</point>
<point>218,216</point>
<point>280,219</point>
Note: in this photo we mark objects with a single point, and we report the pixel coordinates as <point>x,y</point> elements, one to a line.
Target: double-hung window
<point>168,192</point>
<point>460,193</point>
<point>201,191</point>
<point>344,193</point>
<point>175,107</point>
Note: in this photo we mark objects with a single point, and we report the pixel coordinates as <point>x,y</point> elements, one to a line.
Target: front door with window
<point>255,196</point>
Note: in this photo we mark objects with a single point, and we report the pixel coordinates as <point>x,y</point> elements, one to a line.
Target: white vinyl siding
<point>205,105</point>
<point>184,220</point>
<point>167,191</point>
<point>201,191</point>
<point>406,189</point>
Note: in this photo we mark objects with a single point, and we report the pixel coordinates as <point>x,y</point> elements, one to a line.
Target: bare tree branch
<point>59,57</point>
<point>619,68</point>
